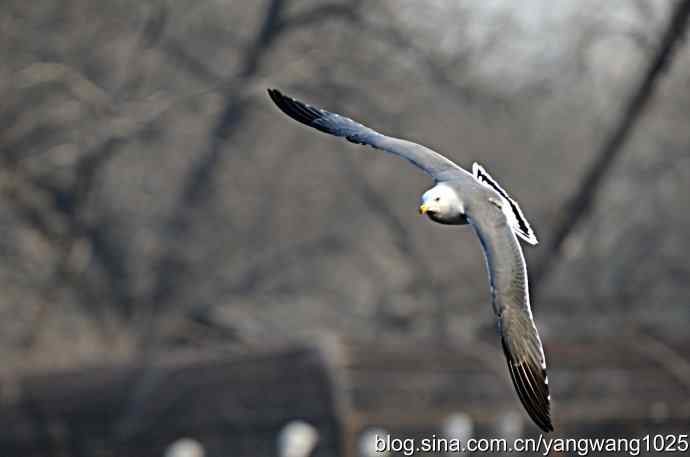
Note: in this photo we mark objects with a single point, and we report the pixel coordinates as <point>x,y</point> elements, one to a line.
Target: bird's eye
<point>438,199</point>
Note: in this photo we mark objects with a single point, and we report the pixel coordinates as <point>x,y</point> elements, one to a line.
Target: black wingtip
<point>536,403</point>
<point>531,385</point>
<point>275,94</point>
<point>299,111</point>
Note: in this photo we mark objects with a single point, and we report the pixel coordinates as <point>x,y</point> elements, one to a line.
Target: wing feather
<point>519,337</point>
<point>422,157</point>
<point>517,219</point>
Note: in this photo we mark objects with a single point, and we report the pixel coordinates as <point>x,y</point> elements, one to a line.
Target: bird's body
<point>459,197</point>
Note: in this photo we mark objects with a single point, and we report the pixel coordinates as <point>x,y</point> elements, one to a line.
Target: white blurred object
<point>185,447</point>
<point>297,439</point>
<point>458,426</point>
<point>367,443</point>
<point>510,425</point>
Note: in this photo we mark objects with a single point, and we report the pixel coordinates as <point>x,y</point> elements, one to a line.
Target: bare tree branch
<point>239,92</point>
<point>198,182</point>
<point>577,209</point>
<point>321,12</point>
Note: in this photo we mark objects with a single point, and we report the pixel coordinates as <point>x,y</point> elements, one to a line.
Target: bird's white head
<point>442,204</point>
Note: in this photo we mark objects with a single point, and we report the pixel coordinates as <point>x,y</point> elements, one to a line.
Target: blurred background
<point>179,259</point>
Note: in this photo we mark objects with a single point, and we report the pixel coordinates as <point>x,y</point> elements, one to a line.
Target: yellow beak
<point>423,209</point>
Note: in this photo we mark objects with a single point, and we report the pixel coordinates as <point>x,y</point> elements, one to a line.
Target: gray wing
<point>429,161</point>
<point>520,339</point>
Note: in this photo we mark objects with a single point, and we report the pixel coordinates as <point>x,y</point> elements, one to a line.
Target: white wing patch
<point>516,219</point>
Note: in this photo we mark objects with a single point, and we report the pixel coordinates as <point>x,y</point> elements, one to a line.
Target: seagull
<point>459,197</point>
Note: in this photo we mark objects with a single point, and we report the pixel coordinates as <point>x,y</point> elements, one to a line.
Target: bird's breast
<point>448,220</point>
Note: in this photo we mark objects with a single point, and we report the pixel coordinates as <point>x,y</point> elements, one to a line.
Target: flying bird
<point>459,197</point>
